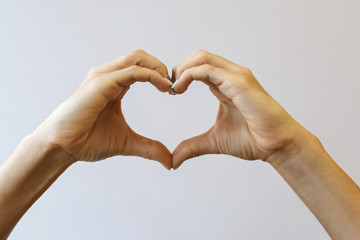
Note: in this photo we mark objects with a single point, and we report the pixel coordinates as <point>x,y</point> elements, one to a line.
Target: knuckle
<point>242,83</point>
<point>100,78</point>
<point>202,57</point>
<point>134,72</point>
<point>246,71</point>
<point>93,71</point>
<point>133,68</point>
<point>96,84</point>
<point>134,56</point>
<point>192,149</point>
<point>187,72</point>
<point>209,67</point>
<point>162,70</point>
<point>199,52</point>
<point>159,69</point>
<point>136,52</point>
<point>139,51</point>
<point>177,71</point>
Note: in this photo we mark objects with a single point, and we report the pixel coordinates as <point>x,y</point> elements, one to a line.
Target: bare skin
<point>252,125</point>
<point>249,125</point>
<point>90,126</point>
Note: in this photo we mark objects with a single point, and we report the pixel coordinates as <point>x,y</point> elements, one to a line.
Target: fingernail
<point>168,81</point>
<point>172,91</point>
<point>172,88</point>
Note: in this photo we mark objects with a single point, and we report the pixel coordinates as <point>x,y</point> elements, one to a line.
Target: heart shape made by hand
<point>169,119</point>
<point>90,125</point>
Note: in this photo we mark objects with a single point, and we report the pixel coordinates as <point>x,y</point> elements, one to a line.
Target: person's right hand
<point>250,124</point>
<point>90,125</point>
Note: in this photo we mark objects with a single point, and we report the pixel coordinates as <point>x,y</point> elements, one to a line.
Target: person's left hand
<point>250,124</point>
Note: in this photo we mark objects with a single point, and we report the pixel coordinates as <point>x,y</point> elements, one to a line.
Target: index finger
<point>111,84</point>
<point>201,57</point>
<point>228,83</point>
<point>137,57</point>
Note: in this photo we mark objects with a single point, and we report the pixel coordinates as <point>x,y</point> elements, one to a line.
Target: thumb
<point>150,149</point>
<point>194,147</point>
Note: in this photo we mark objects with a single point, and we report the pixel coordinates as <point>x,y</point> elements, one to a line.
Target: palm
<point>91,128</point>
<point>232,135</point>
<point>251,128</point>
<point>108,135</point>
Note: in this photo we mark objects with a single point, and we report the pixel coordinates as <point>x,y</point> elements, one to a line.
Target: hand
<point>90,125</point>
<point>249,124</point>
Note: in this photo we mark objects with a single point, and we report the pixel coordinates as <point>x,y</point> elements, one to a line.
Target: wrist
<point>47,151</point>
<point>30,170</point>
<point>301,147</point>
<point>321,184</point>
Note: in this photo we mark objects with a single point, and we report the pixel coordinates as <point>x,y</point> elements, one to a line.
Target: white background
<point>305,53</point>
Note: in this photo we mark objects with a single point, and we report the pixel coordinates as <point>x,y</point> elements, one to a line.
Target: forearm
<point>322,185</point>
<point>25,176</point>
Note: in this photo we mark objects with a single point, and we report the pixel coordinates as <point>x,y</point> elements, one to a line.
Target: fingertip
<point>179,155</point>
<point>193,147</point>
<point>175,89</point>
<point>167,163</point>
<point>162,85</point>
<point>163,71</point>
<point>150,149</point>
<point>166,167</point>
<point>172,91</point>
<point>168,81</point>
<point>163,155</point>
<point>178,91</point>
<point>177,166</point>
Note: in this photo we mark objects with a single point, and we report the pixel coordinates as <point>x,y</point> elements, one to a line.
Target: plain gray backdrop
<point>306,54</point>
